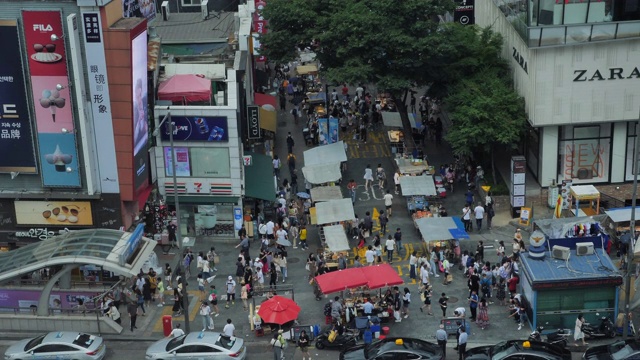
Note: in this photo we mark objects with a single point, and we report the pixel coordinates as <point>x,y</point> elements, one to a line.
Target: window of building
<point>206,162</point>
<point>584,153</point>
<point>191,2</point>
<point>631,150</point>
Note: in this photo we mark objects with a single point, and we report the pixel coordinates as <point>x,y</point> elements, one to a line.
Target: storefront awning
<point>267,111</point>
<point>259,183</point>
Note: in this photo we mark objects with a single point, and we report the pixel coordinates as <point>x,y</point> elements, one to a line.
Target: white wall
<point>618,152</point>
<point>549,155</point>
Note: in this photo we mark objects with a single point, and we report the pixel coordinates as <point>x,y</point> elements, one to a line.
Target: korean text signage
<point>253,120</point>
<point>56,213</point>
<point>259,28</point>
<point>15,127</point>
<point>183,167</point>
<point>198,128</point>
<point>48,69</point>
<point>139,8</point>
<point>140,110</point>
<point>518,187</point>
<point>464,13</point>
<point>132,244</point>
<point>100,102</point>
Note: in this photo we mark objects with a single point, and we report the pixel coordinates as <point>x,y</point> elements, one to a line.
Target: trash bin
<point>167,325</point>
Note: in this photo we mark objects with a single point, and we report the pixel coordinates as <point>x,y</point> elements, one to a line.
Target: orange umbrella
<point>279,310</point>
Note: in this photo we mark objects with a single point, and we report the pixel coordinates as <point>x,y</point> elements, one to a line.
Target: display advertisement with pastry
<point>62,213</point>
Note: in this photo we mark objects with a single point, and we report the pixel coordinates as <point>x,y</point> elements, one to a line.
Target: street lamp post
<point>176,200</point>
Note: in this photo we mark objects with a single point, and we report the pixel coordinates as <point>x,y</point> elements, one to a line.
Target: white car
<point>198,345</point>
<point>58,345</point>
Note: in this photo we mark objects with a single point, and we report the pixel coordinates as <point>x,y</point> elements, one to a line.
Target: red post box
<point>167,325</point>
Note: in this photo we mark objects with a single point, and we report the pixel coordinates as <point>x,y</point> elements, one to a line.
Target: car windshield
<point>84,340</point>
<point>501,350</point>
<point>34,342</point>
<point>175,342</point>
<point>226,342</point>
<point>620,350</point>
<point>378,347</point>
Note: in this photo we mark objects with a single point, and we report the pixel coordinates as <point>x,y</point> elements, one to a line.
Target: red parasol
<point>379,276</point>
<point>279,310</point>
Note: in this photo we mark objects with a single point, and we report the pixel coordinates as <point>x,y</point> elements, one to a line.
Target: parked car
<point>517,350</point>
<point>389,348</point>
<point>198,345</point>
<point>619,350</point>
<point>58,345</point>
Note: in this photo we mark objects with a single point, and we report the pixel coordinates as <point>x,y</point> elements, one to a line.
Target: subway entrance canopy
<point>120,252</point>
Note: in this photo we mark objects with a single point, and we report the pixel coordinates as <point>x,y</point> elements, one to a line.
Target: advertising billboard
<point>51,97</point>
<point>140,110</point>
<point>464,12</point>
<point>139,8</point>
<point>198,128</point>
<point>53,213</point>
<point>182,161</point>
<point>16,140</point>
<point>96,66</point>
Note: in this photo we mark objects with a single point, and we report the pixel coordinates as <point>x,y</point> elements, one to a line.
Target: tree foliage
<point>371,41</point>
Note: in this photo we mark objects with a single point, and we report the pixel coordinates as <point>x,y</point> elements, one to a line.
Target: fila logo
<point>42,27</point>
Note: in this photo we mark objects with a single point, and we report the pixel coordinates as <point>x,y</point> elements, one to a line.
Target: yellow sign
<point>486,188</point>
<point>525,216</point>
<point>54,213</point>
<point>557,213</point>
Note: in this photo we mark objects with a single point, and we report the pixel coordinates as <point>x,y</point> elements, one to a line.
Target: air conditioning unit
<point>584,248</point>
<point>165,11</point>
<point>560,252</point>
<point>585,174</point>
<point>204,9</point>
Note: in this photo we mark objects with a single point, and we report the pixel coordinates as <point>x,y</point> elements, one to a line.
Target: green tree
<point>384,42</point>
<point>487,116</point>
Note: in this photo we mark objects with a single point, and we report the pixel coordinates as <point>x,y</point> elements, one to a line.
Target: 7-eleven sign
<point>198,188</point>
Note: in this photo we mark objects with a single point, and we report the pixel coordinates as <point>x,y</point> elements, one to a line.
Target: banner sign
<point>16,140</point>
<point>323,131</point>
<point>56,213</point>
<point>140,110</point>
<point>198,128</point>
<point>183,168</point>
<point>253,122</point>
<point>333,130</point>
<point>464,12</point>
<point>100,102</point>
<point>52,99</point>
<point>139,8</point>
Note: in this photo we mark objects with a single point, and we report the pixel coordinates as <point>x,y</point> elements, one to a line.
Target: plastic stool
<point>382,337</point>
<point>385,331</point>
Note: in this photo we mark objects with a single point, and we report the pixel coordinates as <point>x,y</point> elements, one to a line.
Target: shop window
<point>631,150</point>
<point>191,2</point>
<point>213,220</point>
<point>585,160</point>
<point>210,162</point>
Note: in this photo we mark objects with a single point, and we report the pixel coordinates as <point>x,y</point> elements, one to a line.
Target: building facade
<point>576,65</point>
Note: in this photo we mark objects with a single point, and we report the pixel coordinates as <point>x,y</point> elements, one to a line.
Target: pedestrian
<point>352,186</point>
<point>382,177</point>
<point>177,300</point>
<point>413,261</point>
<point>482,318</point>
<point>479,215</point>
<point>368,224</point>
<point>336,309</point>
<point>383,219</point>
<point>462,343</point>
<point>388,201</point>
<point>578,334</point>
<point>140,300</point>
<point>500,251</point>
<point>229,329</point>
<point>114,314</point>
<point>231,291</point>
<point>160,292</point>
<point>276,166</point>
<point>213,299</point>
<point>443,304</point>
<point>466,217</point>
<point>396,181</point>
<point>291,162</point>
<point>363,132</point>
<point>406,300</point>
<point>397,304</point>
<point>303,344</point>
<point>368,177</point>
<point>303,237</point>
<point>427,300</point>
<point>167,276</point>
<point>434,262</point>
<point>469,196</point>
<point>176,332</point>
<point>473,305</point>
<point>398,238</point>
<point>205,314</point>
<point>424,276</point>
<point>201,286</point>
<point>390,246</point>
<point>447,277</point>
<point>273,276</point>
<point>441,337</point>
<point>132,309</point>
<point>244,295</point>
<point>489,211</point>
<point>480,252</point>
<point>485,284</point>
<point>278,344</point>
<point>294,181</point>
<point>211,255</point>
<point>290,143</point>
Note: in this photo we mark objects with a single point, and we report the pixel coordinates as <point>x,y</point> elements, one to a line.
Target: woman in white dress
<point>577,332</point>
<point>368,176</point>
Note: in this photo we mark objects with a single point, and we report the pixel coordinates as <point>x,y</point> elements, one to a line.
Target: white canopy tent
<point>440,228</point>
<point>320,174</point>
<point>393,119</point>
<point>328,212</point>
<point>336,238</point>
<point>325,154</point>
<point>326,193</point>
<point>418,185</point>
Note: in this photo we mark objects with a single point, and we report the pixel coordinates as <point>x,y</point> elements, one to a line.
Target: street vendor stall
<point>396,141</point>
<point>393,119</point>
<point>441,232</point>
<point>569,231</point>
<point>334,211</point>
<point>619,222</point>
<point>411,166</point>
<point>334,238</point>
<point>585,193</point>
<point>382,275</point>
<point>417,190</point>
<point>326,193</point>
<point>323,163</point>
<point>341,280</point>
<point>322,174</point>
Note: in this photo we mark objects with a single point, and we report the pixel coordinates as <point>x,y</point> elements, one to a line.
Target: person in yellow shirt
<point>303,238</point>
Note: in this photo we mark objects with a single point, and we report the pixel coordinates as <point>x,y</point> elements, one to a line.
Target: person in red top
<point>513,283</point>
<point>351,186</point>
<point>345,92</point>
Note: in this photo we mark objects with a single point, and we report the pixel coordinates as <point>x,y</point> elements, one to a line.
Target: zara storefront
<point>581,84</point>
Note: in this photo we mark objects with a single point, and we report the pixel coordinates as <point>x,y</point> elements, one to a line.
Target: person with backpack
<point>279,344</point>
<point>187,260</point>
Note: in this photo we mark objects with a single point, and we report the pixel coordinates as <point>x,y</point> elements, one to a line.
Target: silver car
<point>200,345</point>
<point>58,345</point>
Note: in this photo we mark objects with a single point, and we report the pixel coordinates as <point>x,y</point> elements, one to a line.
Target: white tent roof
<point>622,214</point>
<point>436,228</point>
<point>320,174</point>
<point>325,154</point>
<point>326,193</point>
<point>585,191</point>
<point>336,238</point>
<point>334,211</point>
<point>418,185</point>
<point>393,119</point>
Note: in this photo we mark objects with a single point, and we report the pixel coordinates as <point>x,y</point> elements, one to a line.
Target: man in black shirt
<point>172,234</point>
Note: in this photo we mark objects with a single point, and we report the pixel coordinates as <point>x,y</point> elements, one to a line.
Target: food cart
<point>418,190</point>
<point>411,166</point>
<point>441,232</point>
<point>587,193</point>
<point>326,193</point>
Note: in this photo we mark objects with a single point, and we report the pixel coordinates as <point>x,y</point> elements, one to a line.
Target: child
<point>213,299</point>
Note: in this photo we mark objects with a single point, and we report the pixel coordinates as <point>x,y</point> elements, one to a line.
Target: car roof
<point>409,344</point>
<point>61,337</point>
<point>540,347</point>
<point>207,337</point>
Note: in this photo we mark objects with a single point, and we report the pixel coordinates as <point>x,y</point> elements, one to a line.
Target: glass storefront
<point>584,154</point>
<point>559,308</point>
<point>631,149</point>
<point>207,220</point>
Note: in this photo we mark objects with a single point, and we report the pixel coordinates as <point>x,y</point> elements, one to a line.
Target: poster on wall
<point>15,126</point>
<point>51,98</point>
<point>333,130</point>
<point>323,131</point>
<point>182,161</point>
<point>139,8</point>
<point>198,128</point>
<point>140,110</point>
<point>53,213</point>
